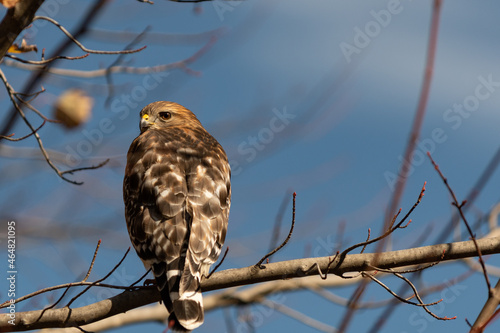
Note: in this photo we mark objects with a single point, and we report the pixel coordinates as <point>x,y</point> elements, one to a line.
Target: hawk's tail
<point>181,294</point>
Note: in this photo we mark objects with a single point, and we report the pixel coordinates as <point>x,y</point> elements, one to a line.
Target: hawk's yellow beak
<point>145,123</point>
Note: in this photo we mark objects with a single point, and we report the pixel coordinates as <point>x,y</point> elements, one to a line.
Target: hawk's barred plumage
<point>177,196</point>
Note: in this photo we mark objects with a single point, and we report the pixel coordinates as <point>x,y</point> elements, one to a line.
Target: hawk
<point>177,195</point>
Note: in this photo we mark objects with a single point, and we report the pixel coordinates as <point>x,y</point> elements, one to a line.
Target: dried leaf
<point>73,108</point>
<point>9,3</point>
<point>14,48</point>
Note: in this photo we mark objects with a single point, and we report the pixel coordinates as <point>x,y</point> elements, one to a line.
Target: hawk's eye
<point>165,115</point>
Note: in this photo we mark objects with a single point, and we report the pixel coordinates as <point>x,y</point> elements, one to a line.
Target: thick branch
<point>242,276</point>
<point>214,301</point>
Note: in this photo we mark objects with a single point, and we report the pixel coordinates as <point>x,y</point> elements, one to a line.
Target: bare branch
<point>44,61</point>
<point>392,227</point>
<point>182,65</point>
<point>98,281</point>
<point>462,215</point>
<point>109,77</point>
<point>80,45</point>
<point>32,95</point>
<point>218,265</point>
<point>34,132</point>
<point>252,295</point>
<point>10,137</point>
<point>402,299</point>
<point>93,167</point>
<point>284,242</point>
<point>33,82</point>
<point>248,275</point>
<point>277,223</point>
<point>92,262</point>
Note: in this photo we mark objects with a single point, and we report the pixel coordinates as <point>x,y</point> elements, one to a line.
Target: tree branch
<point>16,19</point>
<point>128,300</point>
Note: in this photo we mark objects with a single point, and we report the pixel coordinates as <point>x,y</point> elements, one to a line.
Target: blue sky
<point>346,126</point>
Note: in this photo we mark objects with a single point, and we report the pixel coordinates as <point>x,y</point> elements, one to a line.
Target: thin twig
<point>34,132</point>
<point>388,231</point>
<point>181,64</point>
<point>44,61</point>
<point>92,262</point>
<point>417,295</point>
<point>80,45</point>
<point>9,137</point>
<point>472,195</point>
<point>98,281</point>
<point>322,275</point>
<point>32,95</point>
<point>328,295</point>
<point>142,277</point>
<point>10,91</point>
<point>402,299</point>
<point>367,239</point>
<point>109,78</point>
<point>277,222</point>
<point>93,167</point>
<point>71,285</point>
<point>32,108</point>
<point>82,330</point>
<point>218,265</point>
<point>358,293</point>
<point>53,305</point>
<point>462,215</point>
<point>284,242</point>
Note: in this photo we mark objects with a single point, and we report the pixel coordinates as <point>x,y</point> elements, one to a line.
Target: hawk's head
<point>164,115</point>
